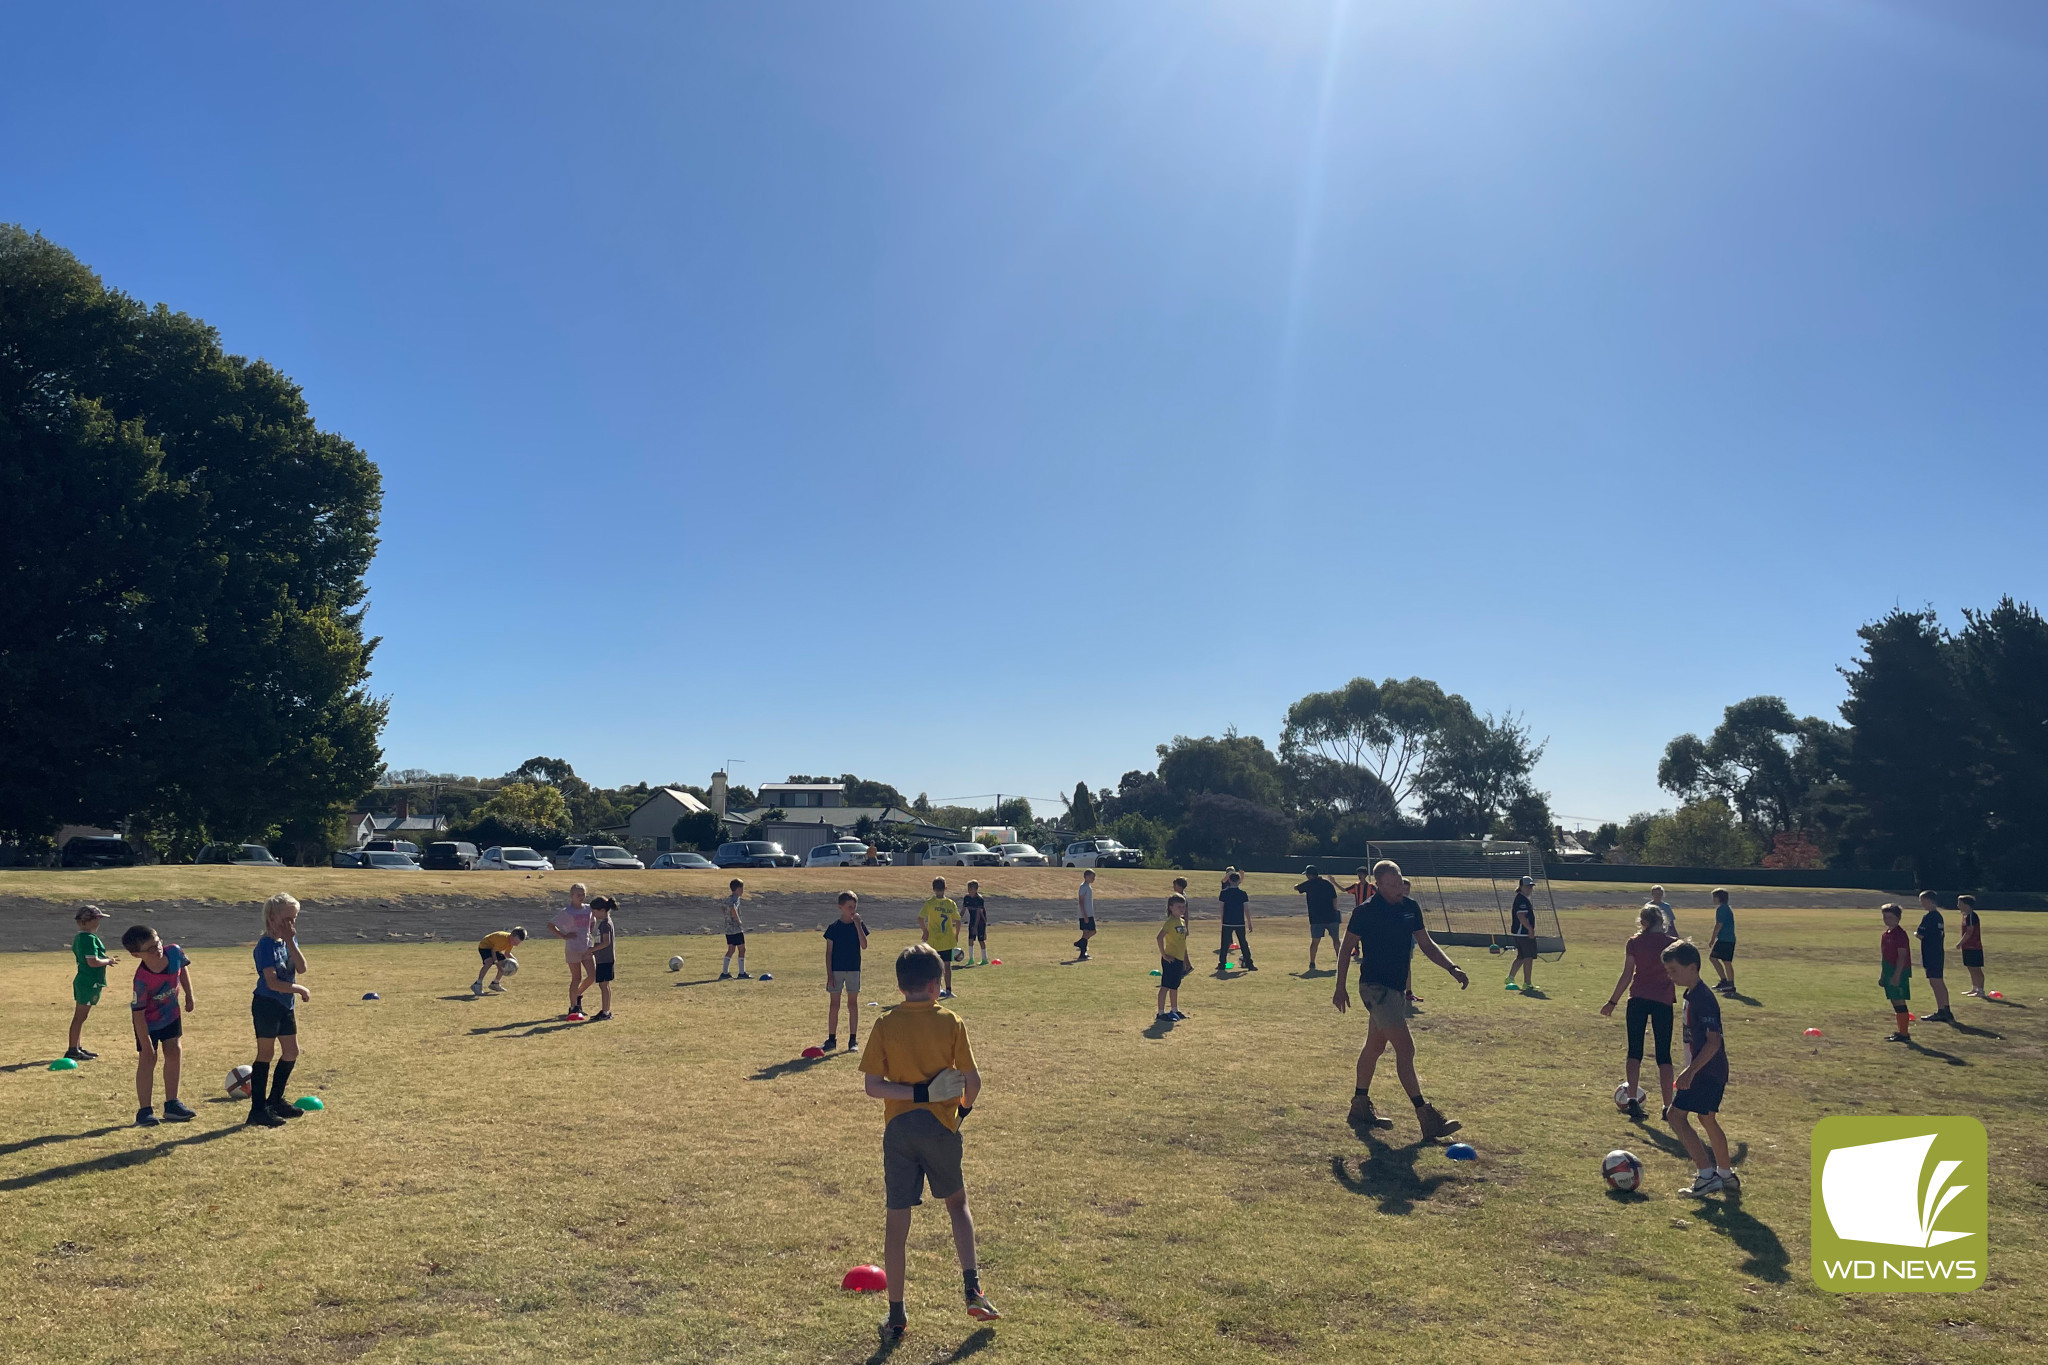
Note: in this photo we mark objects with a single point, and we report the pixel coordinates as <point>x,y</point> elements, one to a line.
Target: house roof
<point>802,787</point>
<point>845,817</point>
<point>676,794</point>
<point>387,824</point>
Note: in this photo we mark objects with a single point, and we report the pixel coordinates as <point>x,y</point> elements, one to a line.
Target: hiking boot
<point>1434,1124</point>
<point>1363,1115</point>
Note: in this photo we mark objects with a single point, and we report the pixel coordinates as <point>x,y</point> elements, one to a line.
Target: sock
<point>896,1312</point>
<point>1417,1101</point>
<point>278,1078</point>
<point>1359,1093</point>
<point>743,961</point>
<point>973,1277</point>
<point>1723,1172</point>
<point>1904,1023</point>
<point>259,1081</point>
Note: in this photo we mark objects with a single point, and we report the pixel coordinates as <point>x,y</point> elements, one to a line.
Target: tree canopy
<point>181,642</point>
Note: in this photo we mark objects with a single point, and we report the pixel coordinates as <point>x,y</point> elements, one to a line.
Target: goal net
<point>1466,888</point>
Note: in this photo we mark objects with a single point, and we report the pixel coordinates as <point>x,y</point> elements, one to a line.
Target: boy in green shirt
<point>91,978</point>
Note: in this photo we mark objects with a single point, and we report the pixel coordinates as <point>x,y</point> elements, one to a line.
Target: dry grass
<point>674,1185</point>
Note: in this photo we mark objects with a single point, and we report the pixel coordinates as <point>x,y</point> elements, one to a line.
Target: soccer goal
<point>1467,887</point>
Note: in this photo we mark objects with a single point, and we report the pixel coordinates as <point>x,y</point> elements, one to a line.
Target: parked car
<point>1101,853</point>
<point>449,856</point>
<point>843,853</point>
<point>405,846</point>
<point>241,855</point>
<point>608,857</point>
<point>962,855</point>
<point>381,860</point>
<point>513,860</point>
<point>1021,855</point>
<point>98,850</point>
<point>694,862</point>
<point>753,853</point>
<point>347,857</point>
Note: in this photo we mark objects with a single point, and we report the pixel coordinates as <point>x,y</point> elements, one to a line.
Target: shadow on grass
<point>464,996</point>
<point>1917,1046</point>
<point>9,1149</point>
<point>1314,973</point>
<point>1971,1029</point>
<point>1158,1028</point>
<point>1388,1174</point>
<point>114,1161</point>
<point>794,1066</point>
<point>506,1028</point>
<point>26,1066</point>
<point>978,1340</point>
<point>541,1027</point>
<point>1627,1197</point>
<point>700,981</point>
<point>885,1350</point>
<point>1768,1259</point>
<point>2009,1004</point>
<point>1533,993</point>
<point>1743,999</point>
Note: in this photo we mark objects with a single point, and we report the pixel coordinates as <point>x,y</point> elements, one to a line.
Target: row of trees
<point>1939,766</point>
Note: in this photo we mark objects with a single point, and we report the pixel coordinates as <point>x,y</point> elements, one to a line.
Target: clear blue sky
<point>974,396</point>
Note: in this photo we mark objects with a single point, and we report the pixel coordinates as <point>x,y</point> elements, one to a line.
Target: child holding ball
<point>494,949</point>
<point>273,1008</point>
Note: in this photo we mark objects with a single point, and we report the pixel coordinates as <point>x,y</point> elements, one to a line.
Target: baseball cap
<point>1528,881</point>
<point>86,912</point>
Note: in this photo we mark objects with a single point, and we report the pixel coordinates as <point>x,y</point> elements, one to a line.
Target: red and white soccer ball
<point>1622,1097</point>
<point>238,1082</point>
<point>1622,1171</point>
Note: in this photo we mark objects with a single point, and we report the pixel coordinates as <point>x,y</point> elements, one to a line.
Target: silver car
<point>1021,855</point>
<point>596,857</point>
<point>512,860</point>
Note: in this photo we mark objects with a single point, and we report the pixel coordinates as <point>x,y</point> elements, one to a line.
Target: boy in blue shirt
<point>273,1010</point>
<point>1722,954</point>
<point>1704,1082</point>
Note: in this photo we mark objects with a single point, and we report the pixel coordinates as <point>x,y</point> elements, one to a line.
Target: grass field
<point>675,1185</point>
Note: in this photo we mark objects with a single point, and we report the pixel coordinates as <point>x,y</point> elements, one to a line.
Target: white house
<point>654,820</point>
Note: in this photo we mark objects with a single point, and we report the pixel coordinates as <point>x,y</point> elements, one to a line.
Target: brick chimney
<point>404,809</point>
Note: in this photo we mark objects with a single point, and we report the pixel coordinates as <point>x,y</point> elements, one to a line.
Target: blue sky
<point>975,396</point>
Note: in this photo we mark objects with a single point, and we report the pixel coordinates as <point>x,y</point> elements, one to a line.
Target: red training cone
<point>865,1279</point>
<point>1998,995</point>
<point>814,1052</point>
<point>1813,1033</point>
<point>997,962</point>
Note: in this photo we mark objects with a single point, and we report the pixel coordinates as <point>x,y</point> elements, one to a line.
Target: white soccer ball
<point>675,964</point>
<point>509,967</point>
<point>238,1082</point>
<point>1621,1170</point>
<point>1622,1097</point>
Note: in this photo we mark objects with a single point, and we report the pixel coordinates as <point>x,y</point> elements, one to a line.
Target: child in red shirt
<point>1895,972</point>
<point>1972,944</point>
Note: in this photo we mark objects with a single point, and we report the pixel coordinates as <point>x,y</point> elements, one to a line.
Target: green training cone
<point>1155,971</point>
<point>308,1103</point>
<point>63,1064</point>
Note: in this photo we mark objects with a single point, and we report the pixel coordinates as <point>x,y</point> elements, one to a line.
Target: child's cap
<point>1309,871</point>
<point>88,913</point>
<point>1528,881</point>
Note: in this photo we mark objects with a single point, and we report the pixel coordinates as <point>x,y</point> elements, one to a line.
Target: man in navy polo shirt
<point>1384,932</point>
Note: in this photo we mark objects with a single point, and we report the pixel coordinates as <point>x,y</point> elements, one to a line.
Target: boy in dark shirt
<point>1704,1081</point>
<point>974,910</point>
<point>1234,921</point>
<point>604,937</point>
<point>1895,972</point>
<point>1933,954</point>
<point>844,939</point>
<point>1322,913</point>
<point>1971,941</point>
<point>1522,924</point>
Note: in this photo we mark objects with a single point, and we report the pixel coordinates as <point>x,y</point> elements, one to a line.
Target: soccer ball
<point>1622,1170</point>
<point>509,967</point>
<point>1622,1097</point>
<point>675,964</point>
<point>238,1082</point>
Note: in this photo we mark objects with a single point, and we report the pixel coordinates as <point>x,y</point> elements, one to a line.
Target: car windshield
<point>1106,845</point>
<point>256,853</point>
<point>607,851</point>
<point>519,855</point>
<point>389,860</point>
<point>764,848</point>
<point>1018,848</point>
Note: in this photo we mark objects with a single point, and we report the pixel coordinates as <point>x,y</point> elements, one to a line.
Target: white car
<point>844,853</point>
<point>694,862</point>
<point>596,857</point>
<point>962,855</point>
<point>1101,853</point>
<point>513,860</point>
<point>1021,855</point>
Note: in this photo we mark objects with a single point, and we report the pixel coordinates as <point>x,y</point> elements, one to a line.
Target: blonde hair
<point>1649,918</point>
<point>1385,865</point>
<point>282,903</point>
<point>575,887</point>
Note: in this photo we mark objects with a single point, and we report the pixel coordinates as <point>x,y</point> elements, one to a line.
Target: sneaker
<point>476,987</point>
<point>1941,1016</point>
<point>1724,989</point>
<point>78,1054</point>
<point>1362,1113</point>
<point>602,1014</point>
<point>980,1309</point>
<point>262,1118</point>
<point>284,1110</point>
<point>725,976</point>
<point>945,995</point>
<point>574,1016</point>
<point>1705,1184</point>
<point>1898,1037</point>
<point>1635,1111</point>
<point>92,1056</point>
<point>1434,1124</point>
<point>1249,967</point>
<point>1731,1182</point>
<point>851,1042</point>
<point>498,986</point>
<point>893,1331</point>
<point>1081,944</point>
<point>1175,1015</point>
<point>744,977</point>
<point>177,1112</point>
<point>1085,957</point>
<point>1413,998</point>
<point>831,1041</point>
<point>577,1007</point>
<point>146,1118</point>
<point>1162,1018</point>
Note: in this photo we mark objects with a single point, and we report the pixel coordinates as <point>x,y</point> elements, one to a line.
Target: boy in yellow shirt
<point>1174,962</point>
<point>940,919</point>
<point>918,1062</point>
<point>495,950</point>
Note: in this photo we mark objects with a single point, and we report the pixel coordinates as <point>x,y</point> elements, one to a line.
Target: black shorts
<point>174,1029</point>
<point>1703,1096</point>
<point>490,956</point>
<point>1931,962</point>
<point>738,940</point>
<point>978,933</point>
<point>1724,948</point>
<point>1088,925</point>
<point>1318,927</point>
<point>604,970</point>
<point>1973,957</point>
<point>1172,971</point>
<point>1525,946</point>
<point>274,1019</point>
<point>1656,1016</point>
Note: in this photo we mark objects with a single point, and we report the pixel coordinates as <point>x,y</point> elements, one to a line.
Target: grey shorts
<point>1387,1006</point>
<point>917,1148</point>
<point>836,982</point>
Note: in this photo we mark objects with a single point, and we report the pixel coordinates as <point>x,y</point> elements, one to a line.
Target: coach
<point>1384,931</point>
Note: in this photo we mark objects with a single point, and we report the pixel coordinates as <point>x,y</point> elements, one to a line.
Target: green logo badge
<point>1899,1206</point>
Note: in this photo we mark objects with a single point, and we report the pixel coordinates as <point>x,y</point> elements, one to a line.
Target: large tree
<point>1763,761</point>
<point>181,630</point>
<point>1362,747</point>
